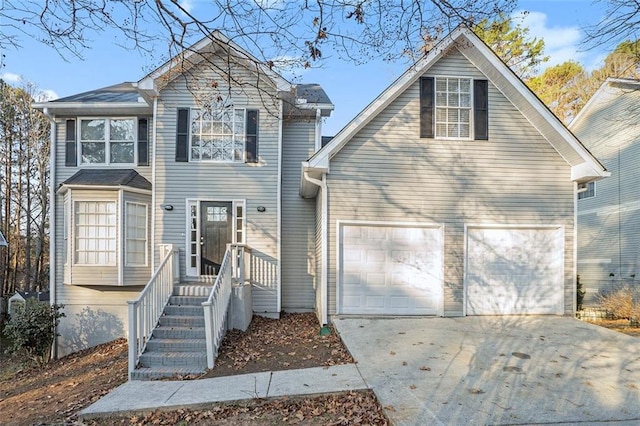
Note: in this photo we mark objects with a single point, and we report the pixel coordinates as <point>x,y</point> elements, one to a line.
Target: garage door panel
<point>515,271</point>
<point>400,272</point>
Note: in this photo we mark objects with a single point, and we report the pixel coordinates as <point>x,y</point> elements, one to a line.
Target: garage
<point>514,270</point>
<point>390,269</point>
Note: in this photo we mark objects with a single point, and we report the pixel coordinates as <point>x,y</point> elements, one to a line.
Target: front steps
<point>177,346</point>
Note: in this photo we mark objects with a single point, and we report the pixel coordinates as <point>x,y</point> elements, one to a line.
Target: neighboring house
<point>18,300</point>
<point>609,210</point>
<point>451,194</point>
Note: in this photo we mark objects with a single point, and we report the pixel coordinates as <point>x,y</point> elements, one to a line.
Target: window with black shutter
<point>251,136</point>
<point>182,135</point>
<point>143,142</point>
<point>71,153</point>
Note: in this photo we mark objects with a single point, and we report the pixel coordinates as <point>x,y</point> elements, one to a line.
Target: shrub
<point>32,330</point>
<point>622,303</point>
<point>579,293</point>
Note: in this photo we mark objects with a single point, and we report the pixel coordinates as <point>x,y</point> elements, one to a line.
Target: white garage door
<point>515,271</point>
<point>390,270</point>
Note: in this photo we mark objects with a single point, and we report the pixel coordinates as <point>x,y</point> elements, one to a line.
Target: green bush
<point>31,330</point>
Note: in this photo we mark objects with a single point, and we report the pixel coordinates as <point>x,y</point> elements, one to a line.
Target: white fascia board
<point>93,108</point>
<point>586,172</point>
<point>534,101</point>
<point>65,187</point>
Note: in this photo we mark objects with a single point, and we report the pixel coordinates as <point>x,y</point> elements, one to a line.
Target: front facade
<point>451,194</point>
<point>608,219</point>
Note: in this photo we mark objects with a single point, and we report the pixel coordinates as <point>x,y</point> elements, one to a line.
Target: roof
<point>312,93</point>
<point>43,296</point>
<point>585,167</point>
<point>123,92</point>
<point>108,177</point>
<point>603,93</point>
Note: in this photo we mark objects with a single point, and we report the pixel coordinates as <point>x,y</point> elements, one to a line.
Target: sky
<point>351,87</point>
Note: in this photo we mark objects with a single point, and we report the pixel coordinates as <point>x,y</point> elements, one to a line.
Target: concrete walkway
<point>148,395</point>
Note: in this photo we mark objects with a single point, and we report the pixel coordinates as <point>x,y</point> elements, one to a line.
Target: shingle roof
<point>43,296</point>
<point>313,93</point>
<point>111,177</point>
<point>123,92</point>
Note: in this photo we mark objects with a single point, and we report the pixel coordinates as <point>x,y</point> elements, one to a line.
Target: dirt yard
<point>56,393</point>
<point>621,326</point>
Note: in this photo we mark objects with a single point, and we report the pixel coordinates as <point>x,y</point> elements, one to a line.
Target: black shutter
<point>143,142</point>
<point>426,107</point>
<point>481,109</point>
<point>251,136</point>
<point>182,135</point>
<point>71,147</point>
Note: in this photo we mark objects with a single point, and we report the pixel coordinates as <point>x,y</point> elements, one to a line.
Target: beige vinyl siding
<point>257,184</point>
<point>93,314</point>
<point>387,173</point>
<point>609,223</point>
<point>512,93</point>
<point>298,223</point>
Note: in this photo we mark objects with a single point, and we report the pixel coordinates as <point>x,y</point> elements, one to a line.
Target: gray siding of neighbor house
<point>609,223</point>
<point>94,314</point>
<point>387,173</point>
<point>298,222</point>
<point>257,184</point>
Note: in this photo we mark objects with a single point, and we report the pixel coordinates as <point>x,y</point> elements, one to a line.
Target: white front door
<point>390,269</point>
<point>514,270</point>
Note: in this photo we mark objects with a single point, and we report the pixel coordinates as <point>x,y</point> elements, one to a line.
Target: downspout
<point>574,279</point>
<point>52,222</point>
<point>324,270</point>
<point>279,210</point>
<point>153,187</point>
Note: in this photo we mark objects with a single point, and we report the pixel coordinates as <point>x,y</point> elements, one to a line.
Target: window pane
<point>441,114</point>
<point>93,152</point>
<point>95,232</point>
<point>441,99</point>
<point>464,130</point>
<point>453,99</point>
<point>121,130</point>
<point>453,85</point>
<point>122,152</point>
<point>465,100</point>
<point>453,115</point>
<point>441,84</point>
<point>92,130</point>
<point>465,85</point>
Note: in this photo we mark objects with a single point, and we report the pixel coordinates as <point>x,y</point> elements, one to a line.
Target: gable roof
<point>192,55</point>
<point>585,166</point>
<point>108,178</point>
<point>611,88</point>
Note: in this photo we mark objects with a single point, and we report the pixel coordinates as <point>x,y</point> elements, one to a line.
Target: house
<point>451,194</point>
<point>18,300</point>
<point>608,216</point>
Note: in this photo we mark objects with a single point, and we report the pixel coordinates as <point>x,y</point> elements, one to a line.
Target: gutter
<point>52,222</point>
<point>324,270</point>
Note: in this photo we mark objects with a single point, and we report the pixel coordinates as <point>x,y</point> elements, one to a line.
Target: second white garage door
<point>390,269</point>
<point>515,270</point>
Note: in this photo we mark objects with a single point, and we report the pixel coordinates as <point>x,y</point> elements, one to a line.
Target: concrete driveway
<point>496,370</point>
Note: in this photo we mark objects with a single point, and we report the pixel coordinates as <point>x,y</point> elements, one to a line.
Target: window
<point>107,140</point>
<point>453,107</point>
<point>135,234</point>
<point>218,134</point>
<point>95,233</point>
<point>587,190</point>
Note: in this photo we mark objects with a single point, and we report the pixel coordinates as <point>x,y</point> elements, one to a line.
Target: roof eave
<point>92,108</point>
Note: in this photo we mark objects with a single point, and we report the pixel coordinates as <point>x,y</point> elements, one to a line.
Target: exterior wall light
<point>167,207</point>
<point>261,209</point>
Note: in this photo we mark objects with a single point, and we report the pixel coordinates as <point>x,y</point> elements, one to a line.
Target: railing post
<point>133,336</point>
<point>208,331</point>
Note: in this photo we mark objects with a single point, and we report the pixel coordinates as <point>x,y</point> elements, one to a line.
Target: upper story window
<point>453,107</point>
<point>217,135</point>
<point>107,141</point>
<point>225,134</point>
<point>587,190</point>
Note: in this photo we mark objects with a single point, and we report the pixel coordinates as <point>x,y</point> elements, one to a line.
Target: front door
<point>216,231</point>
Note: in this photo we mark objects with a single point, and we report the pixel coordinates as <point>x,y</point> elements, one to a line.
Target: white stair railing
<point>145,311</point>
<point>231,270</point>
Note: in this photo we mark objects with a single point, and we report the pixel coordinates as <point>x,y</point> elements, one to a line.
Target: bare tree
<point>620,22</point>
<point>298,32</point>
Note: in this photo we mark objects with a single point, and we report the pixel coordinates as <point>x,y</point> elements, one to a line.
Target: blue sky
<point>349,86</point>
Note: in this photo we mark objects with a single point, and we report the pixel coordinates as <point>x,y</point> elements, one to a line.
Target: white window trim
<point>74,226</point>
<point>435,108</point>
<point>585,190</point>
<point>107,154</point>
<point>126,234</point>
<point>244,146</point>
